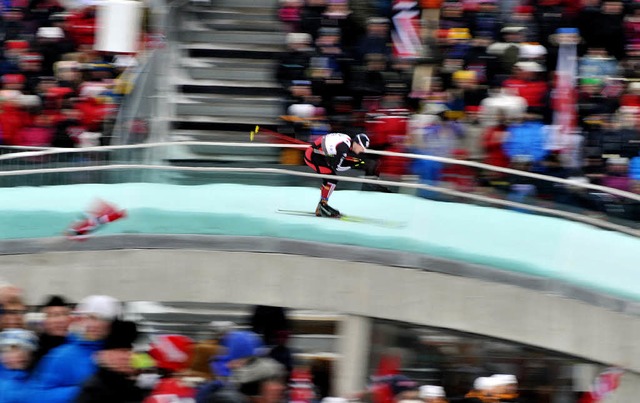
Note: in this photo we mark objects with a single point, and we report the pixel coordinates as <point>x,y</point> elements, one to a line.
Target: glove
<point>358,164</point>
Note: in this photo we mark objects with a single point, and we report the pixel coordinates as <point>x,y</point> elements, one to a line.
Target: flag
<point>564,93</point>
<point>406,29</point>
<point>607,382</point>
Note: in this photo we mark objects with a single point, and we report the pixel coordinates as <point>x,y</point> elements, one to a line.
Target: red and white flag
<point>607,382</point>
<point>405,35</point>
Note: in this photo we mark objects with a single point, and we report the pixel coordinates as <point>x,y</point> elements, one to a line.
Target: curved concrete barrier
<point>430,292</point>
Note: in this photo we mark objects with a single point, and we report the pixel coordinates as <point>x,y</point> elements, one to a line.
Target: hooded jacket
<point>61,373</point>
<point>14,386</point>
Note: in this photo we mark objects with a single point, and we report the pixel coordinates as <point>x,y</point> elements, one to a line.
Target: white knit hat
<point>484,383</point>
<point>532,51</point>
<point>531,67</point>
<point>18,338</point>
<point>427,391</point>
<point>504,379</point>
<point>102,306</point>
<point>50,33</point>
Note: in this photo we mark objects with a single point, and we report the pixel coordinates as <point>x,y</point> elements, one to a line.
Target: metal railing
<point>103,165</point>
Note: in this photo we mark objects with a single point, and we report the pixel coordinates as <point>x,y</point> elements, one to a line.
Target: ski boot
<point>325,210</point>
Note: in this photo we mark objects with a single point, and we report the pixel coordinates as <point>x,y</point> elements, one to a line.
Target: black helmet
<point>362,139</point>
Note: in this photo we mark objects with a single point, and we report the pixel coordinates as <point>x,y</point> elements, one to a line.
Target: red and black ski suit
<point>329,155</point>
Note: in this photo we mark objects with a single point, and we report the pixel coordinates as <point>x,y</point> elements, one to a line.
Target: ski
<point>348,218</point>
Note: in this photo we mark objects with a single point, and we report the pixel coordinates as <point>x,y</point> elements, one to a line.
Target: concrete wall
<point>422,297</point>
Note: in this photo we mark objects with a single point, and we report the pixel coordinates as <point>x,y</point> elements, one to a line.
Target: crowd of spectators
<point>90,352</point>
<point>55,89</point>
<point>483,89</point>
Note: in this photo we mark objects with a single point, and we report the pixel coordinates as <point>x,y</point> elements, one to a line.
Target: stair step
<point>233,37</point>
<point>232,99</point>
<point>235,51</point>
<point>251,4</point>
<point>229,88</point>
<point>231,73</point>
<point>246,23</point>
<point>243,86</point>
<point>254,14</point>
<point>219,62</point>
<point>220,123</point>
<point>207,109</point>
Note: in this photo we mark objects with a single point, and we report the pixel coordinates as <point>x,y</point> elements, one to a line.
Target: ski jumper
<point>329,155</point>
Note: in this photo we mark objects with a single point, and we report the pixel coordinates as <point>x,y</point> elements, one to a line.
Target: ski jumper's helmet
<point>362,139</point>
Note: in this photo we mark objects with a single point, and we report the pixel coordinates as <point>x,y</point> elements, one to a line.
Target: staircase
<point>223,85</point>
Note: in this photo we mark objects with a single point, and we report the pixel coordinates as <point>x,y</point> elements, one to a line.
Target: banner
<point>564,93</point>
<point>405,35</point>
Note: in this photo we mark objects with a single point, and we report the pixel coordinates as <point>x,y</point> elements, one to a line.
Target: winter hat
<point>50,33</point>
<point>122,335</point>
<point>236,344</point>
<point>171,352</point>
<point>102,306</point>
<point>303,111</point>
<point>482,383</point>
<point>255,371</point>
<point>532,51</point>
<point>458,33</point>
<point>431,391</point>
<point>55,300</point>
<point>91,90</point>
<point>31,57</point>
<point>464,75</point>
<point>504,379</point>
<point>13,79</point>
<point>401,383</point>
<point>523,10</point>
<point>330,399</point>
<point>531,67</point>
<point>59,92</point>
<point>18,338</point>
<point>512,30</point>
<point>15,45</point>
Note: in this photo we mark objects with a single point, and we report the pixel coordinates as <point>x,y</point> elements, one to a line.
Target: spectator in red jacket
<point>93,109</point>
<point>13,117</point>
<point>81,26</point>
<point>492,143</point>
<point>528,84</point>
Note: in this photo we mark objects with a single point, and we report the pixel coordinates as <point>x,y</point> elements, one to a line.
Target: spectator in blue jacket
<point>16,349</point>
<point>526,139</point>
<point>59,376</point>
